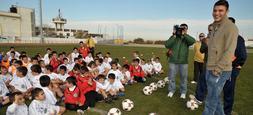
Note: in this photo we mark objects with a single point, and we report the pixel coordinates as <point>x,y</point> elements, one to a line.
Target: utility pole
<point>41,30</point>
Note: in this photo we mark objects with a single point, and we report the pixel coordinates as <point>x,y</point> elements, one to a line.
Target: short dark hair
<point>114,63</point>
<point>136,60</point>
<point>232,19</point>
<point>65,59</point>
<point>184,24</point>
<point>71,80</point>
<point>75,48</point>
<point>49,67</point>
<point>13,52</point>
<point>84,69</point>
<point>35,92</point>
<point>111,76</point>
<point>54,52</point>
<point>12,96</point>
<point>19,62</point>
<point>76,58</point>
<point>12,47</point>
<point>81,42</point>
<point>22,70</point>
<point>48,49</point>
<point>63,67</point>
<point>45,80</point>
<point>222,3</point>
<point>77,67</point>
<point>36,68</point>
<point>126,66</point>
<point>100,60</point>
<point>34,58</point>
<point>23,56</point>
<point>91,63</point>
<point>100,76</point>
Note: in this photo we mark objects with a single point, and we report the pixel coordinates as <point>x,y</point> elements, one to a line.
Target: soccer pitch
<point>158,102</point>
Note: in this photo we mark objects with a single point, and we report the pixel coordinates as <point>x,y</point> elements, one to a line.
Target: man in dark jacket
<point>178,60</point>
<point>238,62</point>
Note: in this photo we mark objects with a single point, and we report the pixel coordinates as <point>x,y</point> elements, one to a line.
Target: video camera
<point>179,30</point>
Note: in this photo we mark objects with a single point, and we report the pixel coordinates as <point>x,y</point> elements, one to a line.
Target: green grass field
<point>158,102</point>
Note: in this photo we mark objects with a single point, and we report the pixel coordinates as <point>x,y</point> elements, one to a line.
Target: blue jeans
<point>213,104</point>
<point>183,71</point>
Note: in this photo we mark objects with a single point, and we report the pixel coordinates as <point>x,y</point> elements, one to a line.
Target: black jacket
<point>240,53</point>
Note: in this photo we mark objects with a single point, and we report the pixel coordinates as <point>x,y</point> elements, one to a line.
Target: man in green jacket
<point>178,59</point>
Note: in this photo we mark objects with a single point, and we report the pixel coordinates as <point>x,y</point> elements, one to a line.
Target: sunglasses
<point>201,36</point>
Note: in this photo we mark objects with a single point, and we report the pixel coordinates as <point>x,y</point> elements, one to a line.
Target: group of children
<point>59,81</point>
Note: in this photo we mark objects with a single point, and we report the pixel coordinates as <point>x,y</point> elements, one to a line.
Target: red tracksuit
<point>84,51</point>
<point>55,63</point>
<point>136,71</point>
<point>82,84</point>
<point>74,97</point>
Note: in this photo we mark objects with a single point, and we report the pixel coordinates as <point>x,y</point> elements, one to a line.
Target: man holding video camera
<point>178,45</point>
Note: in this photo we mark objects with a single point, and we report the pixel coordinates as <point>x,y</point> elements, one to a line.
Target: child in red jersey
<point>87,87</point>
<point>75,71</point>
<point>74,100</point>
<point>83,50</point>
<point>136,71</point>
<point>54,61</point>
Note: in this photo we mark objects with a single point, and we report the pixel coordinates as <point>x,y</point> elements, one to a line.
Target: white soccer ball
<point>147,90</point>
<point>153,86</point>
<point>114,111</point>
<point>127,105</point>
<point>152,114</point>
<point>166,80</point>
<point>160,84</point>
<point>192,105</point>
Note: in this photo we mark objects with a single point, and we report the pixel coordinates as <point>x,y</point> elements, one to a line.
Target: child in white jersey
<point>18,106</point>
<point>21,82</point>
<point>40,107</point>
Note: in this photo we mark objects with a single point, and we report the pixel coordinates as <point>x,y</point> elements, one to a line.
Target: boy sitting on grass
<point>40,107</point>
<point>21,82</point>
<point>18,106</point>
<point>74,100</point>
<point>136,71</point>
<point>101,87</point>
<point>115,88</point>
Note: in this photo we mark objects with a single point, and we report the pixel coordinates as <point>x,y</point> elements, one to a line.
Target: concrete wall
<point>17,25</point>
<point>10,25</point>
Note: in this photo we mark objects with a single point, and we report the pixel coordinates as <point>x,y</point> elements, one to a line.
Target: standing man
<point>179,44</point>
<point>91,42</point>
<point>221,48</point>
<point>239,60</point>
<point>198,59</point>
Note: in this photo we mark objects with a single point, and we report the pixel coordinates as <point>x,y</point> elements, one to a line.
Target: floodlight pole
<point>41,30</point>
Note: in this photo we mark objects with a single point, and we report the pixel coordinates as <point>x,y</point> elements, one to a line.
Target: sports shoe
<point>192,97</point>
<point>108,100</point>
<point>80,112</point>
<point>193,82</point>
<point>182,96</point>
<point>170,94</point>
<point>121,94</point>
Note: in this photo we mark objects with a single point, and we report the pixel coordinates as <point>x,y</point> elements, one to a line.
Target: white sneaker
<point>193,82</point>
<point>192,97</point>
<point>170,94</point>
<point>182,96</point>
<point>80,112</point>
